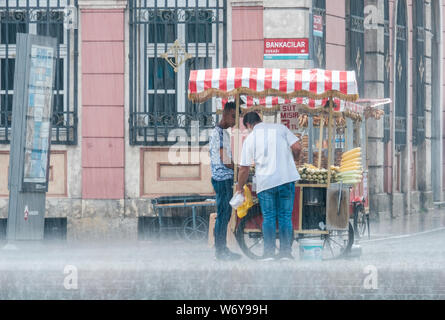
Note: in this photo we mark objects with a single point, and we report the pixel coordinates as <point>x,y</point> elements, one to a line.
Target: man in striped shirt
<point>222,167</point>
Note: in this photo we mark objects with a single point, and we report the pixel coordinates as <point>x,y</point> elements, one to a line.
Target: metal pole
<point>232,222</point>
<point>161,225</point>
<point>236,139</point>
<point>310,139</point>
<point>311,39</point>
<point>330,140</point>
<point>366,142</point>
<point>320,140</point>
<point>367,220</point>
<point>194,218</point>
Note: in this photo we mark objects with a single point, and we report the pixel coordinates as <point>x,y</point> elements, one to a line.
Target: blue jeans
<point>277,202</point>
<point>224,192</point>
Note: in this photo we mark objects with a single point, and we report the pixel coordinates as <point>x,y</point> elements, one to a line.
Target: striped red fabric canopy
<point>271,87</point>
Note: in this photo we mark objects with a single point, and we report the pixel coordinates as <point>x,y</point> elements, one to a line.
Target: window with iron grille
<point>419,72</point>
<point>319,9</point>
<point>47,18</point>
<point>167,40</point>
<point>387,74</point>
<point>401,74</point>
<point>356,36</point>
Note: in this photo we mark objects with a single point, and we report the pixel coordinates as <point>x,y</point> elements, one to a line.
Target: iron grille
<point>419,72</point>
<point>160,113</point>
<point>401,74</point>
<point>319,9</point>
<point>356,34</point>
<point>48,18</point>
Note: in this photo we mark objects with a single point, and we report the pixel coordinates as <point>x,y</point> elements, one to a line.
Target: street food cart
<point>357,136</point>
<point>350,131</point>
<point>322,197</point>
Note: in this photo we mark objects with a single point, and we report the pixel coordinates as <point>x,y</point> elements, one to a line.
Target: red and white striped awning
<point>271,87</point>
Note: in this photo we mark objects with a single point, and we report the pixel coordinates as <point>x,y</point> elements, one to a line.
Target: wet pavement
<point>407,224</point>
<point>400,261</point>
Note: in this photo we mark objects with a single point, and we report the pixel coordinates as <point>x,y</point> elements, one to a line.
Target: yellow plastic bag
<point>247,204</point>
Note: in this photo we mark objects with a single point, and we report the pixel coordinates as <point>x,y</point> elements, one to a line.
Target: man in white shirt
<point>273,149</point>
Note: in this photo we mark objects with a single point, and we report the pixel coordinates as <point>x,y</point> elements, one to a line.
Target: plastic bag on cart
<point>236,201</point>
<point>247,204</point>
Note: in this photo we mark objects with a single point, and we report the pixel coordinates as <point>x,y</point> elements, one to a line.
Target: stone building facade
<point>121,100</point>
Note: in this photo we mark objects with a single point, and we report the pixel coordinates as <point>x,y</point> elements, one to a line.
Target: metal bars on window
<point>356,35</point>
<point>401,74</point>
<point>191,34</point>
<point>419,72</point>
<point>47,18</point>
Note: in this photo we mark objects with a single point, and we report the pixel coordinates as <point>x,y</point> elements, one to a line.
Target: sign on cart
<point>289,117</point>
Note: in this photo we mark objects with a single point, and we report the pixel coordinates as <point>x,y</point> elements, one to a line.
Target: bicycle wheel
<point>197,232</point>
<point>360,222</point>
<point>249,234</point>
<point>338,243</point>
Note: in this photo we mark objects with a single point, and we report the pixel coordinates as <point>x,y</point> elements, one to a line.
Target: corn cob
<point>351,156</point>
<point>352,151</point>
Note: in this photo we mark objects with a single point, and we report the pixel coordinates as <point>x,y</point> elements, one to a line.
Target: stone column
<point>405,154</point>
<point>374,88</point>
<point>436,100</point>
<point>286,19</point>
<point>424,149</point>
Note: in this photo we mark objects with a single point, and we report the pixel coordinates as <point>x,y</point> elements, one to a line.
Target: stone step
<point>439,205</point>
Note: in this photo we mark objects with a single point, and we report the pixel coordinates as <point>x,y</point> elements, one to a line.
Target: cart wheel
<point>360,222</point>
<point>338,243</point>
<point>197,233</point>
<point>155,230</point>
<point>249,234</point>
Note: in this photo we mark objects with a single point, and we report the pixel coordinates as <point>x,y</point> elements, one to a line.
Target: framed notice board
<point>38,118</point>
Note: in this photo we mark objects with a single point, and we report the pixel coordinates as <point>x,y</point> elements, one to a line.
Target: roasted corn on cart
<point>321,204</point>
